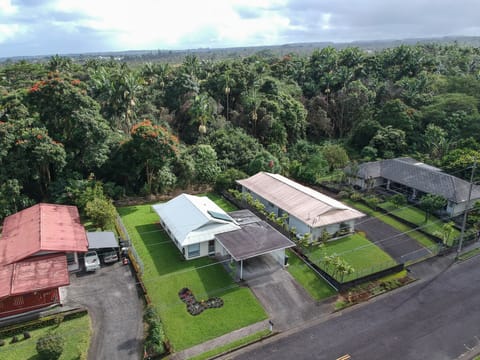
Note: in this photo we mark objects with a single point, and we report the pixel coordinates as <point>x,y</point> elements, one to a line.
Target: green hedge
<point>18,329</point>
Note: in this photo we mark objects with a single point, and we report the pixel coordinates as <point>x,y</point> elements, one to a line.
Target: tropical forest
<point>99,130</point>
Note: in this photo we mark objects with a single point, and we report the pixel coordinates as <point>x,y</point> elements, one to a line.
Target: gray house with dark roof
<point>415,179</point>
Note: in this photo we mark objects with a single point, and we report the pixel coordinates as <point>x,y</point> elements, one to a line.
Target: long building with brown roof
<point>308,210</point>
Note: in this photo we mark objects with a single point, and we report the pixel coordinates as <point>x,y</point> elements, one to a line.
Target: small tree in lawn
<point>398,200</point>
<point>446,233</point>
<point>431,203</point>
<point>50,346</point>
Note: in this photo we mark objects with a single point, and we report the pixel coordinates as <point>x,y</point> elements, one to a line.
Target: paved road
<point>431,319</point>
<point>399,246</point>
<point>110,295</point>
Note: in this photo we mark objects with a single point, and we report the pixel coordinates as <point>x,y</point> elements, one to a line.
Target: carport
<point>102,240</point>
<point>255,238</point>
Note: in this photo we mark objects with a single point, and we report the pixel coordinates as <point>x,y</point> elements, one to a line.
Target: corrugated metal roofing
<point>36,273</point>
<point>256,237</point>
<point>42,227</point>
<point>189,220</point>
<point>310,206</point>
<point>101,240</point>
<point>423,177</point>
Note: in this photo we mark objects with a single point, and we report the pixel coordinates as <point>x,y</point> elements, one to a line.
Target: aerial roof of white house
<point>194,219</point>
<point>310,206</point>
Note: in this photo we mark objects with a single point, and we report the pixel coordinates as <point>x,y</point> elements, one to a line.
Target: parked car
<point>92,262</point>
<point>110,256</point>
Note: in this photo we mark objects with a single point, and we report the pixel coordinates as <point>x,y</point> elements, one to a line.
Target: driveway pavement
<point>395,243</point>
<point>111,297</point>
<point>286,302</point>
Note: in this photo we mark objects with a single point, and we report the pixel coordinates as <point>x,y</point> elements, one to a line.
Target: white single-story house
<point>307,210</point>
<point>199,227</point>
<point>415,179</point>
<point>192,223</point>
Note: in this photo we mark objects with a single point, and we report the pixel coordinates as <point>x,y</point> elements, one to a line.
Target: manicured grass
<point>364,256</point>
<point>417,217</point>
<point>220,201</point>
<point>165,273</point>
<point>76,333</point>
<point>422,239</point>
<point>233,345</point>
<point>314,284</point>
<point>469,254</point>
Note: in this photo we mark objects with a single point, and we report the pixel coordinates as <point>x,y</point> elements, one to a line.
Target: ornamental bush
<point>50,346</point>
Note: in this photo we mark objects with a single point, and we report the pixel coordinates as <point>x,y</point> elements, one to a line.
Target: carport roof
<point>101,240</point>
<point>256,237</point>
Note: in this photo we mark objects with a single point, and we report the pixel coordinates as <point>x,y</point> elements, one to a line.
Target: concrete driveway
<point>110,295</point>
<point>286,302</point>
<point>395,243</point>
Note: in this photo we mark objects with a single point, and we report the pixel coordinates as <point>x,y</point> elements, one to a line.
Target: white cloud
<point>6,8</point>
<point>62,26</point>
<point>8,31</point>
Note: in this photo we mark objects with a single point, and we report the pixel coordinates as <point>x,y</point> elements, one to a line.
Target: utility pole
<point>467,208</point>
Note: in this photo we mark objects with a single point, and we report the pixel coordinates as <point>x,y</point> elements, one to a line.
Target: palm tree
<point>202,110</point>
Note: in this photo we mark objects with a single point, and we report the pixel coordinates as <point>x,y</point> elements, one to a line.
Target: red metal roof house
<point>38,247</point>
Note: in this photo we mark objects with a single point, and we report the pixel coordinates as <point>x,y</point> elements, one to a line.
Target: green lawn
<point>220,201</point>
<point>165,273</point>
<point>417,217</point>
<point>77,340</point>
<point>364,256</point>
<point>233,345</point>
<point>314,284</point>
<point>422,239</point>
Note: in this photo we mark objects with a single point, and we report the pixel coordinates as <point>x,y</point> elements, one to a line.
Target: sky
<point>47,27</point>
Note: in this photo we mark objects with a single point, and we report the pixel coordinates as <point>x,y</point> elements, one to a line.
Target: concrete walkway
<point>222,340</point>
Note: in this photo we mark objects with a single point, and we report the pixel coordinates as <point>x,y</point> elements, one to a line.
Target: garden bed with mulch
<point>195,307</point>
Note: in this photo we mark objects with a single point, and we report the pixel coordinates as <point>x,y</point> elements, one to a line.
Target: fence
<point>359,276</point>
<point>133,255</point>
<point>362,276</point>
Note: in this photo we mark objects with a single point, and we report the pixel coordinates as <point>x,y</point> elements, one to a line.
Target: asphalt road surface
<point>430,319</point>
<point>111,297</point>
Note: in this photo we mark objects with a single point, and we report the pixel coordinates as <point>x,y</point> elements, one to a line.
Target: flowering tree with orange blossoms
<point>151,147</point>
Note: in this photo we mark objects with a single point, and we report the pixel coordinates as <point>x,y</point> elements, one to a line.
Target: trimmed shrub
<point>26,335</point>
<point>2,342</point>
<point>14,339</point>
<point>155,341</point>
<point>50,346</point>
<point>355,196</point>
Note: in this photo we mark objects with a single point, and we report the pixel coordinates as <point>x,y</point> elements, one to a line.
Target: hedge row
<point>17,329</point>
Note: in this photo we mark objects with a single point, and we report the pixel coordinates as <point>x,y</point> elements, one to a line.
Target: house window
<point>193,250</point>
<point>18,300</point>
<point>211,247</point>
<point>71,259</point>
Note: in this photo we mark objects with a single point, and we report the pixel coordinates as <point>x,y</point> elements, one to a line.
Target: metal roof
<point>101,240</point>
<point>420,176</point>
<point>190,221</point>
<point>42,227</point>
<point>311,207</point>
<point>256,237</point>
<point>36,273</point>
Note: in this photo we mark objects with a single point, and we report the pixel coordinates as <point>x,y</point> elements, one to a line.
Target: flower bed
<point>195,307</point>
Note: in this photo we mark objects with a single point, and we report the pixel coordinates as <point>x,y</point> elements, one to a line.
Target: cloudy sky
<point>42,27</point>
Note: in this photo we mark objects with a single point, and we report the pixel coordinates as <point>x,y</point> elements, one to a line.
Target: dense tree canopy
<point>149,128</point>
